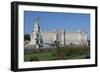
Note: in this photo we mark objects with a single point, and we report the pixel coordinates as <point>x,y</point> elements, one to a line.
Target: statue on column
<point>37,33</point>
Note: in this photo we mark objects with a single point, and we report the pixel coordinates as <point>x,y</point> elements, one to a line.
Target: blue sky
<point>55,20</point>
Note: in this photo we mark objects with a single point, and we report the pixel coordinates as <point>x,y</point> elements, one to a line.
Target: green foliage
<point>59,54</point>
<point>26,37</point>
<point>34,58</point>
<point>77,53</point>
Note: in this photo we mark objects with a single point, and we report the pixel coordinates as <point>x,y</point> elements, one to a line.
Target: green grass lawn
<point>59,54</point>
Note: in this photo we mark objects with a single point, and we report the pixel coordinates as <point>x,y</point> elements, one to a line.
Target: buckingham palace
<point>43,38</point>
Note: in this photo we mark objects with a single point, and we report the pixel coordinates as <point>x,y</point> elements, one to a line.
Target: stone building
<point>40,39</point>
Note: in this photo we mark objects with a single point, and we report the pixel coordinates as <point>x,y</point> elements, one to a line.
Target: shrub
<point>35,58</point>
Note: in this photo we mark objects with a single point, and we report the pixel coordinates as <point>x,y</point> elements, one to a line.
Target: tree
<point>88,42</point>
<point>26,37</point>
